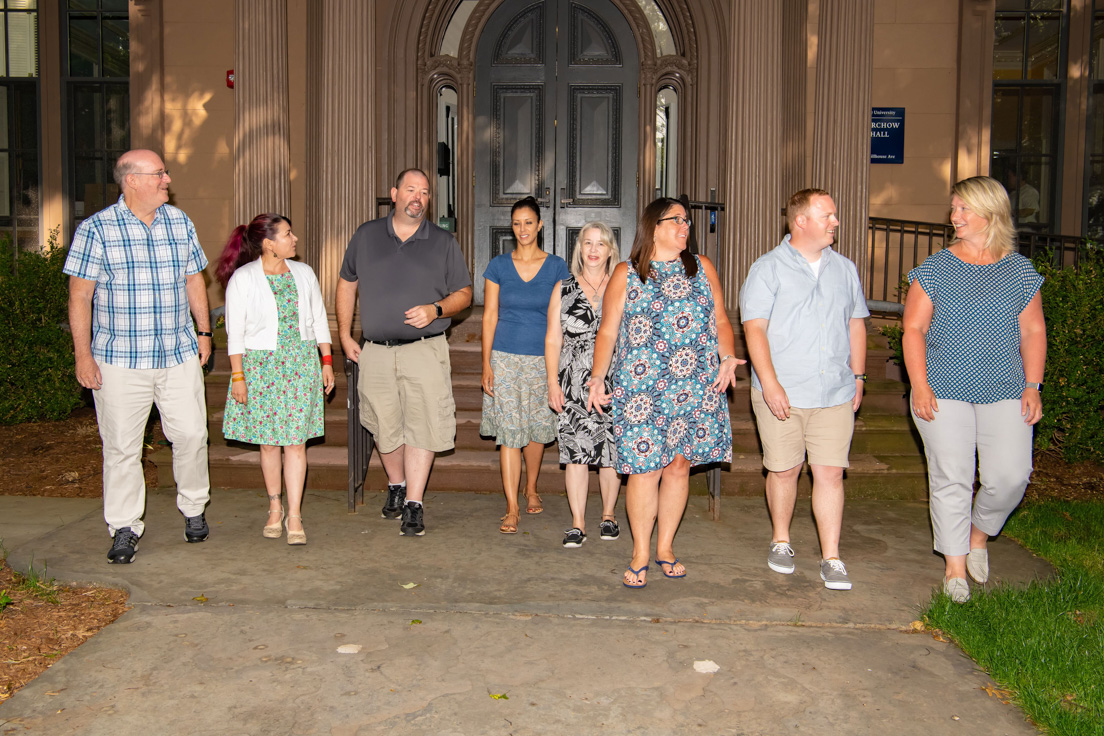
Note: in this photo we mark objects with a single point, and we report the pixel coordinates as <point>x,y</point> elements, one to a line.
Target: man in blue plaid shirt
<point>135,273</point>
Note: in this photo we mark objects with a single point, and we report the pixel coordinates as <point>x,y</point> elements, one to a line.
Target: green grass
<point>1045,641</point>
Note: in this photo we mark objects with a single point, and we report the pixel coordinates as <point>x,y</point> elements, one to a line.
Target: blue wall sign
<point>887,135</point>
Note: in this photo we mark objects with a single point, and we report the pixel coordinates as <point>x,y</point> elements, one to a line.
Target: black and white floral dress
<point>585,438</point>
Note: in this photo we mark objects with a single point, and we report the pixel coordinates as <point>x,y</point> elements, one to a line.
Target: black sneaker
<point>195,528</point>
<point>608,530</point>
<point>396,497</point>
<point>574,537</point>
<point>123,547</point>
<point>412,524</point>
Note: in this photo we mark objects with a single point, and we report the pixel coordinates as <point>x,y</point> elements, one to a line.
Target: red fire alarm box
<point>230,78</point>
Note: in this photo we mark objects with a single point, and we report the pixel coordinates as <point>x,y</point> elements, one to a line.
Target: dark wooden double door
<point>557,119</point>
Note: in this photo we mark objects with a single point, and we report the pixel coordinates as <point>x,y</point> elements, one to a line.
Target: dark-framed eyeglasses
<point>679,220</point>
<point>160,174</point>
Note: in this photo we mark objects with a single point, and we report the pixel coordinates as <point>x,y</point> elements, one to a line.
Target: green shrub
<point>893,334</point>
<point>37,374</point>
<point>1073,401</point>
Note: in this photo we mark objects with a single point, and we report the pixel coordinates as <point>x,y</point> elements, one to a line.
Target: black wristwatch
<point>200,333</point>
<point>440,312</point>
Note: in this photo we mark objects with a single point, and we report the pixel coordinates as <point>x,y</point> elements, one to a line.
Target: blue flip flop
<point>637,573</point>
<point>661,563</point>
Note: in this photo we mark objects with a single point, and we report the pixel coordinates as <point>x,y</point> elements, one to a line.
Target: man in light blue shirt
<point>803,312</point>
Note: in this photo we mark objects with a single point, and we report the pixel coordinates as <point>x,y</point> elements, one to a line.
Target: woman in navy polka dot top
<point>975,348</point>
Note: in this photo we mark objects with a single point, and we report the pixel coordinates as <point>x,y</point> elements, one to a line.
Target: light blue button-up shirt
<point>808,322</point>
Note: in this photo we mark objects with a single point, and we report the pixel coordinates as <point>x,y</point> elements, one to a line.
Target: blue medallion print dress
<point>666,360</point>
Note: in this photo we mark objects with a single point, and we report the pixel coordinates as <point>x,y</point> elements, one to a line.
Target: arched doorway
<point>556,113</point>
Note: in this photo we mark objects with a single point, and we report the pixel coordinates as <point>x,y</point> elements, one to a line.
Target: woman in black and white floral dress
<point>585,437</point>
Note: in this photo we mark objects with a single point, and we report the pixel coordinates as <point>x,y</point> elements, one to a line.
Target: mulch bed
<point>35,633</point>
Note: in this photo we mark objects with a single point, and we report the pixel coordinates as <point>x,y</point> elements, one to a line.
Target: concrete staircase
<point>886,455</point>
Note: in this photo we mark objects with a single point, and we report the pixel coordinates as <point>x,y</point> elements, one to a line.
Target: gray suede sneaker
<point>834,575</point>
<point>780,558</point>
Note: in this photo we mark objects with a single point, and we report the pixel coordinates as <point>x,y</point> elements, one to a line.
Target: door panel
<point>556,111</point>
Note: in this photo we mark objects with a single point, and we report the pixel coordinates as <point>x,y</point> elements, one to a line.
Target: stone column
<point>340,130</point>
<point>147,96</point>
<point>841,126</point>
<point>754,183</point>
<point>262,157</point>
<point>795,73</point>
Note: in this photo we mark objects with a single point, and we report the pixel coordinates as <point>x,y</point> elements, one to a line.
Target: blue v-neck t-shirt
<point>523,305</point>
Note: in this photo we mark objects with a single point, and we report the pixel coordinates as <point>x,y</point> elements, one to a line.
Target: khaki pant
<point>123,406</point>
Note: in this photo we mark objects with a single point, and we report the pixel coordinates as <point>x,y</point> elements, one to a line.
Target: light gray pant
<point>965,437</point>
<point>123,406</point>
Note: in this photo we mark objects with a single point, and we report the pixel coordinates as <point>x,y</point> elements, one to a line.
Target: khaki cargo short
<point>406,395</point>
<point>824,433</point>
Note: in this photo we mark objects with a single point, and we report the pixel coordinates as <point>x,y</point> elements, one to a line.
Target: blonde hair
<point>988,199</point>
<point>606,236</point>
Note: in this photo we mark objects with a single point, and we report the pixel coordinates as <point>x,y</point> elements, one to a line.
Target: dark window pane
<point>25,134</point>
<point>1011,5</point>
<point>1008,48</point>
<point>1046,4</point>
<point>1039,124</point>
<point>82,4</point>
<point>87,115</point>
<point>84,47</point>
<point>118,6</point>
<point>1006,114</point>
<point>88,192</point>
<point>1044,46</point>
<point>27,201</point>
<point>1094,200</point>
<point>117,118</point>
<point>116,47</point>
<point>1097,49</point>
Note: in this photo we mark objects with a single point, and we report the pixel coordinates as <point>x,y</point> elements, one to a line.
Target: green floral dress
<point>284,386</point>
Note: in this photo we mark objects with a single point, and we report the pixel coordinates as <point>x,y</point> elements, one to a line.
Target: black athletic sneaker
<point>396,497</point>
<point>608,530</point>
<point>123,547</point>
<point>412,523</point>
<point>574,537</point>
<point>195,528</point>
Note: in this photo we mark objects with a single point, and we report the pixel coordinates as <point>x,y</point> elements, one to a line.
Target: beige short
<point>406,395</point>
<point>824,433</point>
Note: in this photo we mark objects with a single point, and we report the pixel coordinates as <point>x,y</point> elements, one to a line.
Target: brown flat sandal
<point>534,507</point>
<point>510,523</point>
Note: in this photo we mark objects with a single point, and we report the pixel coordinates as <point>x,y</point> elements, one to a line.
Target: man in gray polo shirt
<point>803,308</point>
<point>411,277</point>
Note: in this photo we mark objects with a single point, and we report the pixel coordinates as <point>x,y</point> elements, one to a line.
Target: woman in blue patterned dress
<point>516,291</point>
<point>674,363</point>
<point>275,325</point>
<point>975,350</point>
<point>585,437</point>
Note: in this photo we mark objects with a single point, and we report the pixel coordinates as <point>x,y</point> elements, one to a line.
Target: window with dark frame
<point>1093,205</point>
<point>19,140</point>
<point>1029,75</point>
<point>97,97</point>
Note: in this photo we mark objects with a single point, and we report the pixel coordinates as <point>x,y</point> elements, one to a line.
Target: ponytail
<point>245,244</point>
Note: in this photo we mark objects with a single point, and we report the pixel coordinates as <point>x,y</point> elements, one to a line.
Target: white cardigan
<point>251,315</point>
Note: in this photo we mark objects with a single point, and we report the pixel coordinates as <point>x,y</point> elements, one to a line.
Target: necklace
<point>592,286</point>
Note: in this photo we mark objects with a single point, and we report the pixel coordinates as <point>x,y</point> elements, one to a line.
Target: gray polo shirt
<point>808,322</point>
<point>392,276</point>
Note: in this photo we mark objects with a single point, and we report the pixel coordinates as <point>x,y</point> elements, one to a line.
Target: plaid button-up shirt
<point>140,315</point>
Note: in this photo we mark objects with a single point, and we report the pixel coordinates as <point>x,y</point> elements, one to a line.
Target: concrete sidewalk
<point>552,629</point>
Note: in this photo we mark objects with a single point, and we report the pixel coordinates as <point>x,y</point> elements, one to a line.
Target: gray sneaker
<point>834,575</point>
<point>780,558</point>
<point>977,564</point>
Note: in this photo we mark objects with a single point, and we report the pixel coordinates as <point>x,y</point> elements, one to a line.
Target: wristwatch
<point>1037,386</point>
<point>440,312</point>
<point>860,376</point>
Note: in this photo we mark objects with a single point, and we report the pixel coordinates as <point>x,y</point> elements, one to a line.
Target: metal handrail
<point>897,246</point>
<point>360,439</point>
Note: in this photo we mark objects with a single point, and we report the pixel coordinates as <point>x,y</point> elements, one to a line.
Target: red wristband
<point>327,360</point>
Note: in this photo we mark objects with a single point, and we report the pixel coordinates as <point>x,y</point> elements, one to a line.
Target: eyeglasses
<point>679,220</point>
<point>159,174</point>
